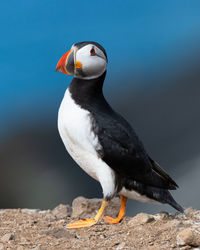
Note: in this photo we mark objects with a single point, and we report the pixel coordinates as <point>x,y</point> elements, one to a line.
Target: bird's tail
<point>164,196</point>
<point>174,204</point>
<point>158,194</point>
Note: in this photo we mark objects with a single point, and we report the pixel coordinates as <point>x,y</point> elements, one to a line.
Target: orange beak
<point>62,63</point>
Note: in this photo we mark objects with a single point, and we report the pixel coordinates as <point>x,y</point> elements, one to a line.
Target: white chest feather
<point>74,125</point>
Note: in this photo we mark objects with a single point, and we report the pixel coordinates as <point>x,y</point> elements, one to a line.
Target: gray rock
<point>60,233</point>
<point>82,207</point>
<point>62,211</point>
<point>141,218</point>
<point>49,216</point>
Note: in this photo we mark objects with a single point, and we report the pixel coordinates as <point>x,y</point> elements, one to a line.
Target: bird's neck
<point>87,92</point>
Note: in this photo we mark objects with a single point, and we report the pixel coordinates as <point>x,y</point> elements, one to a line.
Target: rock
<point>23,240</point>
<point>189,237</point>
<point>29,211</point>
<point>60,233</point>
<point>37,248</point>
<point>141,218</point>
<point>121,246</point>
<point>42,230</point>
<point>161,216</point>
<point>20,248</point>
<point>7,237</point>
<point>189,211</point>
<point>151,248</point>
<point>49,216</point>
<point>176,223</point>
<point>192,214</point>
<point>82,207</point>
<point>62,211</point>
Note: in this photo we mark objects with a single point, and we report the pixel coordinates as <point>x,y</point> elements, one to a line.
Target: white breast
<point>74,125</point>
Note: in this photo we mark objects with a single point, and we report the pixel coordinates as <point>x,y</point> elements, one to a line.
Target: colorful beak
<point>66,63</point>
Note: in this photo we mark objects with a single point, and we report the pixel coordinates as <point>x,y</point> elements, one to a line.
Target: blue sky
<point>137,35</point>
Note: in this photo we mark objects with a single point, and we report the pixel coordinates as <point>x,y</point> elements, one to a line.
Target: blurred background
<point>153,80</point>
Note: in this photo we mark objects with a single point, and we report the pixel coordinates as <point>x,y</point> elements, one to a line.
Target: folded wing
<point>123,152</point>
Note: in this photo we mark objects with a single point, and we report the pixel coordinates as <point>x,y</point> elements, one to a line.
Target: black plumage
<point>121,148</point>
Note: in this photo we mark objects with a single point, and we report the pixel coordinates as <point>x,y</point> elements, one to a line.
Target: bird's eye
<point>92,52</point>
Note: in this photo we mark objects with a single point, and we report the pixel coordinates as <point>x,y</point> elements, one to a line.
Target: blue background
<point>153,80</point>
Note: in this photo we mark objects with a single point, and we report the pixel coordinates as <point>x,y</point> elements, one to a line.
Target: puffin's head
<point>85,60</point>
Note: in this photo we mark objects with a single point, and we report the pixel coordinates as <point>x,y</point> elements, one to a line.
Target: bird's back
<point>124,152</point>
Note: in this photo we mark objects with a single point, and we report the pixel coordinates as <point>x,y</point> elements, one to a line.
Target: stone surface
<point>82,207</point>
<point>42,230</point>
<point>62,211</point>
<point>161,216</point>
<point>60,233</point>
<point>7,237</point>
<point>189,211</point>
<point>30,211</point>
<point>38,248</point>
<point>141,218</point>
<point>21,248</point>
<point>121,246</point>
<point>189,237</point>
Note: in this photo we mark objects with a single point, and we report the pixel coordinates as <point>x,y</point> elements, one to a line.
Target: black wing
<point>161,172</point>
<point>123,152</point>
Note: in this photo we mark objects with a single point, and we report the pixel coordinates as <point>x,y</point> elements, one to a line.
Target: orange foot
<point>121,214</point>
<point>82,223</point>
<point>89,222</point>
<point>112,220</point>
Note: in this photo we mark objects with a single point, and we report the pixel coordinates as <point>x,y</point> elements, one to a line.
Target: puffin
<point>101,141</point>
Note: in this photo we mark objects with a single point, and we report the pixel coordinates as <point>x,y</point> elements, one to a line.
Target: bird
<point>102,142</point>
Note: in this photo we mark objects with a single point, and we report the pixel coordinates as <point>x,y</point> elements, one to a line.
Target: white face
<point>93,62</point>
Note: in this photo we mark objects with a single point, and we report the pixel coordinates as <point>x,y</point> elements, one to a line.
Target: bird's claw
<point>82,223</point>
<point>111,220</point>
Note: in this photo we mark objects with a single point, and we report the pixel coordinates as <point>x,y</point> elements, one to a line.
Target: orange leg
<point>121,214</point>
<point>89,222</point>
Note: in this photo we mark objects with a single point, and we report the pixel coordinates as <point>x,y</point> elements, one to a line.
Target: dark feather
<point>162,173</point>
<point>124,152</point>
<point>121,148</point>
<point>154,193</point>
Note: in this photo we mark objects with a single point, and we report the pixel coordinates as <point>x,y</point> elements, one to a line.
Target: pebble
<point>37,248</point>
<point>189,237</point>
<point>190,211</point>
<point>141,218</point>
<point>82,207</point>
<point>60,233</point>
<point>121,246</point>
<point>20,248</point>
<point>29,211</point>
<point>7,237</point>
<point>62,211</point>
<point>161,216</point>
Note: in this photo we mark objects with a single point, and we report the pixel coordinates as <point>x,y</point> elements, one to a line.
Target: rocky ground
<point>39,230</point>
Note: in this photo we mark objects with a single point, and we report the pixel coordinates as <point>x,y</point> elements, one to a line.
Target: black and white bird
<point>101,141</point>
